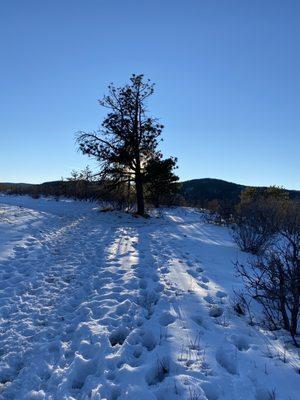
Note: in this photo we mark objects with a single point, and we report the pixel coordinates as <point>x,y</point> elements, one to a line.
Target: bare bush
<point>250,239</point>
<point>241,304</point>
<point>273,278</point>
<point>256,223</point>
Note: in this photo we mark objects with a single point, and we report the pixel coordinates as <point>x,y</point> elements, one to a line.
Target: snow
<point>107,306</point>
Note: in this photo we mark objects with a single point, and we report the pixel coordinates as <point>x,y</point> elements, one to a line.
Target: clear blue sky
<point>227,75</point>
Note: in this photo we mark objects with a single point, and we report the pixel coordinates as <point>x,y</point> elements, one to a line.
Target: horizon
<point>180,181</point>
<point>227,84</point>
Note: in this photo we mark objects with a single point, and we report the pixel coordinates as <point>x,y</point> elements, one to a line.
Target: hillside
<point>200,191</point>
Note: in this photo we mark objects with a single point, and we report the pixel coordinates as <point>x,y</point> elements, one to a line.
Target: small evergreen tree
<point>161,180</point>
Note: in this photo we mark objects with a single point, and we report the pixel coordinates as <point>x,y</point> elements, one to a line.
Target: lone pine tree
<point>128,137</point>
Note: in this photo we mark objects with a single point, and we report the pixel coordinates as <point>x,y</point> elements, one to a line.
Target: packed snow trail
<point>106,306</point>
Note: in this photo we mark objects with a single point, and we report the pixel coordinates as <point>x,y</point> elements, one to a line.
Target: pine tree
<point>128,137</point>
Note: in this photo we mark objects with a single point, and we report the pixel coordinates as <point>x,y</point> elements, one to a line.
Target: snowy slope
<point>106,306</point>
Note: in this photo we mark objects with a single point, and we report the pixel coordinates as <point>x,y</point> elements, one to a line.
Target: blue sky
<point>226,73</point>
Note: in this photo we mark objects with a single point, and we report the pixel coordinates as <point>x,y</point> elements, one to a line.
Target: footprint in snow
<point>203,285</point>
<point>138,351</point>
<point>159,288</point>
<point>148,340</point>
<point>204,279</point>
<point>143,284</point>
<point>166,319</point>
<point>194,274</point>
<point>155,278</point>
<point>226,357</point>
<point>118,336</point>
<point>209,299</point>
<point>164,270</point>
<point>241,342</point>
<point>216,311</point>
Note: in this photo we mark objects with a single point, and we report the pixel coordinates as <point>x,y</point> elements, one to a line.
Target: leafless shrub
<point>250,239</point>
<point>255,225</point>
<point>194,394</point>
<point>272,394</point>
<point>273,278</point>
<point>242,305</point>
<point>258,218</point>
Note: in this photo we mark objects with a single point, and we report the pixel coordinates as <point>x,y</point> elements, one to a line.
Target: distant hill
<point>16,184</point>
<point>196,192</point>
<point>200,191</point>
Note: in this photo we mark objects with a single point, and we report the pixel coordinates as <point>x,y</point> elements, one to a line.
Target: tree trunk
<point>139,186</point>
<point>139,195</point>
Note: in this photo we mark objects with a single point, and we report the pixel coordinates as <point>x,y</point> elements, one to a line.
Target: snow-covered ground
<point>107,306</point>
